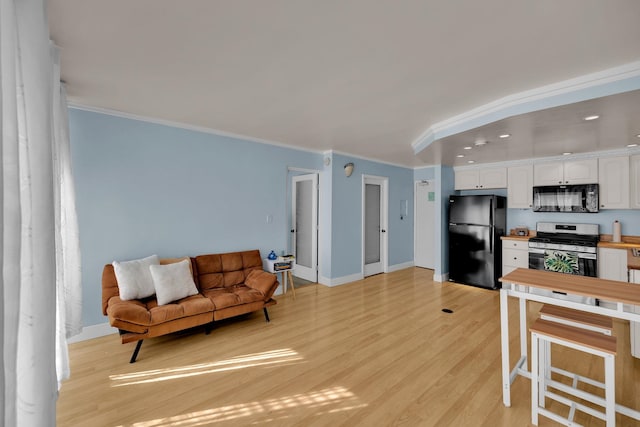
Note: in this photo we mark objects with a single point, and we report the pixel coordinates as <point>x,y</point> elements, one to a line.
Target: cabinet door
<point>581,171</point>
<point>635,181</point>
<point>548,174</point>
<point>613,177</point>
<point>612,264</point>
<point>493,178</point>
<point>634,327</point>
<point>466,180</point>
<point>520,187</point>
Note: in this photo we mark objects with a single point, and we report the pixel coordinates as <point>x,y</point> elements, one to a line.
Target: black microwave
<point>566,198</point>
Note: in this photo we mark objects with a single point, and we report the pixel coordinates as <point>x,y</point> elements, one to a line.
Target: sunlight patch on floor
<point>240,362</point>
<point>330,400</point>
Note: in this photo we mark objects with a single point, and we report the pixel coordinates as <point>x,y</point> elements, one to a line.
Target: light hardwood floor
<point>376,352</point>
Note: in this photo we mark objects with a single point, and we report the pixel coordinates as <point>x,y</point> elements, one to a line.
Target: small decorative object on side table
<point>284,266</point>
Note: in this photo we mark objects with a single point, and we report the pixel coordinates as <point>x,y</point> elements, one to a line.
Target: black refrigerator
<point>475,251</point>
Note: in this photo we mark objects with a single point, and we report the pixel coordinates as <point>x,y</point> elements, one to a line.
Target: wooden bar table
<point>519,283</point>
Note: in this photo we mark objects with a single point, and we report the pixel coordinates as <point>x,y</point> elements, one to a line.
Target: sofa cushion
<point>189,306</point>
<point>224,270</point>
<point>147,312</point>
<point>232,296</point>
<point>261,281</point>
<point>134,277</point>
<point>173,281</point>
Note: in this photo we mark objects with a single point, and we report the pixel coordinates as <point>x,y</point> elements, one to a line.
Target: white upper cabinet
<point>520,187</point>
<point>548,174</point>
<point>613,173</point>
<point>481,178</point>
<point>569,172</point>
<point>635,181</point>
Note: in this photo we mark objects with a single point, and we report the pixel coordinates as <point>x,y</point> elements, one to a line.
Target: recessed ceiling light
<point>632,145</point>
<point>505,135</point>
<point>480,142</point>
<point>593,117</point>
<point>638,135</point>
<point>470,161</point>
<point>468,148</point>
<point>460,156</point>
<point>567,153</point>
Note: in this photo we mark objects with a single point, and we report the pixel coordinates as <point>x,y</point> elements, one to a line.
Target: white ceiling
<point>363,77</point>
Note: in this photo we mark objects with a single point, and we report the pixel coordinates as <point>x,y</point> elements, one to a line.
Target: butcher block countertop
<point>628,242</point>
<point>513,237</point>
<point>608,290</point>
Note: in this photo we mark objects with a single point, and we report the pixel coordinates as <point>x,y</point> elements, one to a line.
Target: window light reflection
<point>246,361</point>
<point>331,400</point>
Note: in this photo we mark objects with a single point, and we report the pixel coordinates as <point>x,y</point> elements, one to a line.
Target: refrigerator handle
<point>491,237</point>
<point>491,211</point>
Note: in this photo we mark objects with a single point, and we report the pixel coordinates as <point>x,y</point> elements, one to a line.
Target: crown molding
<point>595,85</point>
<point>186,126</point>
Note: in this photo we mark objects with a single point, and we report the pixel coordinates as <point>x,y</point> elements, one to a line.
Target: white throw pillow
<point>173,281</point>
<point>134,278</point>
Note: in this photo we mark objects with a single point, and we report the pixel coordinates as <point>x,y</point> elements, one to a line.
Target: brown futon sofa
<point>229,284</point>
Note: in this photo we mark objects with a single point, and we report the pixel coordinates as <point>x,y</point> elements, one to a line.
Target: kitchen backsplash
<point>629,219</point>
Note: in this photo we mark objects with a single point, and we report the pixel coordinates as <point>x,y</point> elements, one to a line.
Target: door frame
<point>383,181</point>
<point>315,179</point>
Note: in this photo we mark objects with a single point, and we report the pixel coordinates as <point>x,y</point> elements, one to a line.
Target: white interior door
<point>424,224</point>
<point>374,225</point>
<point>304,219</point>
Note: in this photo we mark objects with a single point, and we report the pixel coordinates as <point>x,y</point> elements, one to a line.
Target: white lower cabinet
<point>634,277</point>
<point>612,264</point>
<point>515,254</point>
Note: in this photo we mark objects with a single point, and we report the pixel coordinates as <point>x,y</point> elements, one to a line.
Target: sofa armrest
<point>262,281</point>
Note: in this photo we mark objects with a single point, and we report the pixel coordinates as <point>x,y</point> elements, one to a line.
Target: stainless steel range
<point>565,248</point>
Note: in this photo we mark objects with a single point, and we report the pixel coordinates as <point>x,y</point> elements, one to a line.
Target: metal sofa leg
<point>135,352</point>
<point>266,314</point>
<point>209,327</point>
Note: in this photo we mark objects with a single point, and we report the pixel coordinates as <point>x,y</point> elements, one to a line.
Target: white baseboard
<point>93,331</point>
<point>340,280</point>
<point>441,277</point>
<point>402,266</point>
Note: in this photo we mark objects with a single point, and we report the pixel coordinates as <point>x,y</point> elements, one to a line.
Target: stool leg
<point>535,377</point>
<point>545,363</point>
<point>610,389</point>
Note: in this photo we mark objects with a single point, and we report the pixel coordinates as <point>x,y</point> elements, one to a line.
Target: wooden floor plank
<point>376,352</point>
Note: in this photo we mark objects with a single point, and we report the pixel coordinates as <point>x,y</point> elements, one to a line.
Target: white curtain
<point>39,252</point>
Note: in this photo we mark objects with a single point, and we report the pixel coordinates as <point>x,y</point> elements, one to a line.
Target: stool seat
<point>584,337</point>
<point>577,318</point>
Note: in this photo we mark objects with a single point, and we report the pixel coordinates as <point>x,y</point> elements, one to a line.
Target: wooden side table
<point>285,268</point>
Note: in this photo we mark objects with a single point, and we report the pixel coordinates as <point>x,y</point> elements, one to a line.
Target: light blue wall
<point>346,216</point>
<point>446,177</point>
<point>144,188</point>
<point>428,172</point>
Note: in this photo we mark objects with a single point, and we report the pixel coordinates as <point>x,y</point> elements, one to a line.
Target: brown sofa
<point>230,284</point>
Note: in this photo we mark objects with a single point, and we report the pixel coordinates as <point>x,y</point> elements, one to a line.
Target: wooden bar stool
<point>579,319</point>
<point>543,333</point>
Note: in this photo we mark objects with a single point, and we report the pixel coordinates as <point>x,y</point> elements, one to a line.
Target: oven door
<point>568,262</point>
<point>579,263</point>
